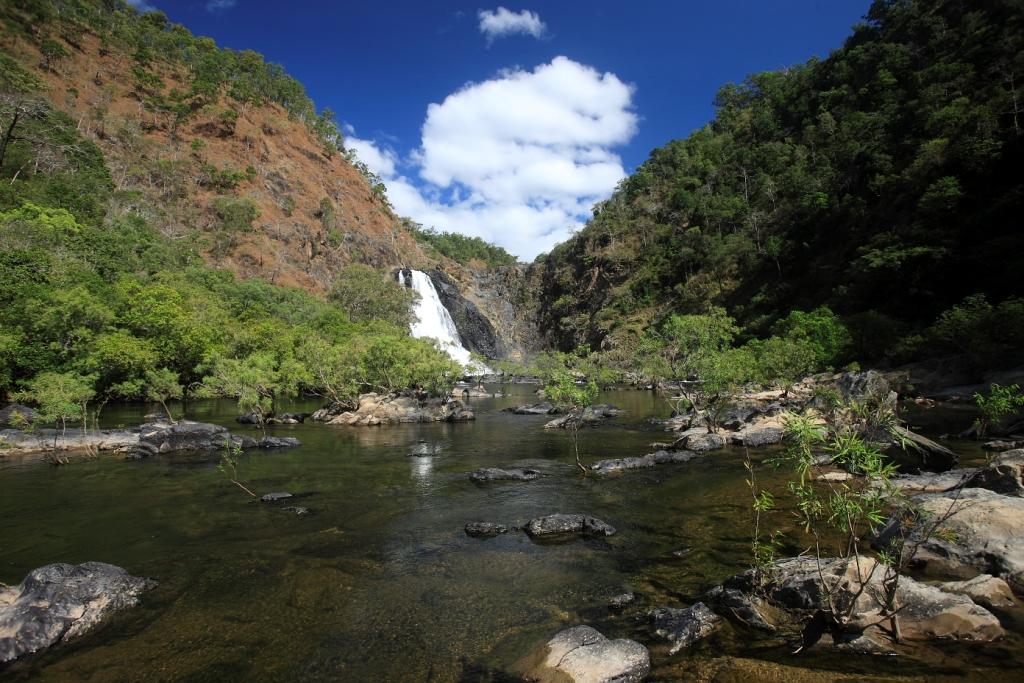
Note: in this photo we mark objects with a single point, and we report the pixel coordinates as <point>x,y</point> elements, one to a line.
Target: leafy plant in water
<point>562,389</point>
<point>229,464</point>
<point>1000,403</point>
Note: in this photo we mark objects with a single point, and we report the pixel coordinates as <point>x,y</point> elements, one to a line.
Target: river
<point>380,583</point>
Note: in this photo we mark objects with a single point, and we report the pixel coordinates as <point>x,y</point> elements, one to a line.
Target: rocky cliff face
<point>494,309</point>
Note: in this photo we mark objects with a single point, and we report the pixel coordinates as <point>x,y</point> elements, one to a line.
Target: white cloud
<point>502,22</point>
<point>517,160</point>
<point>379,160</point>
<point>219,5</point>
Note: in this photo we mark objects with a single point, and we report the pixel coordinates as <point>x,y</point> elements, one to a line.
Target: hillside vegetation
<point>884,182</point>
<point>209,145</point>
<point>157,194</point>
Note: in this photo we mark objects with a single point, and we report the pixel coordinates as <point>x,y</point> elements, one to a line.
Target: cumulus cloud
<point>378,159</point>
<point>502,22</point>
<point>518,160</point>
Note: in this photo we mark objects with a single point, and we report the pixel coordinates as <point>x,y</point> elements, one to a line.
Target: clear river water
<point>380,583</point>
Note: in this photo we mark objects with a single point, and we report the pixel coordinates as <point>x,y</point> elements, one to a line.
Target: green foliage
<point>784,360</point>
<point>461,248</point>
<point>821,331</point>
<point>984,333</point>
<point>365,294</point>
<point>162,386</point>
<point>59,397</point>
<point>883,179</point>
<point>563,389</point>
<point>258,381</point>
<point>1000,403</point>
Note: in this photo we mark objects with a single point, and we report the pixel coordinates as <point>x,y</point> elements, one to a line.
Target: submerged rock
<point>278,442</point>
<point>563,524</point>
<point>542,408</point>
<point>60,601</point>
<point>620,601</point>
<point>485,474</point>
<point>374,409</point>
<point>584,655</point>
<point>683,627</point>
<point>588,416</point>
<point>700,440</point>
<point>298,510</point>
<point>740,605</point>
<point>485,529</point>
<point>276,496</point>
<point>184,435</point>
<point>649,460</point>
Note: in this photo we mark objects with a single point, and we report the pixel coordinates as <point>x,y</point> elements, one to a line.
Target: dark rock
<point>244,442</point>
<point>1002,475</point>
<point>926,612</point>
<point>649,460</point>
<point>542,408</point>
<point>16,415</point>
<point>276,496</point>
<point>485,529</point>
<point>59,602</point>
<point>278,442</point>
<point>564,524</point>
<point>497,474</point>
<point>740,605</point>
<point>755,436</point>
<point>922,451</point>
<point>683,627</point>
<point>588,416</point>
<point>475,330</point>
<point>1002,445</point>
<point>170,437</point>
<point>249,419</point>
<point>583,655</point>
<point>700,440</point>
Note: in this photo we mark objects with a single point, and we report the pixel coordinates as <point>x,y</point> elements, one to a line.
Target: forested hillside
<point>211,146</point>
<point>176,218</point>
<point>884,182</point>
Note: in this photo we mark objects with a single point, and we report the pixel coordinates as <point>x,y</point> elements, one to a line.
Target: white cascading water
<point>433,320</point>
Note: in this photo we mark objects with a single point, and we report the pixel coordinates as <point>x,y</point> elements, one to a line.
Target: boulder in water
<point>60,601</point>
<point>649,460</point>
<point>683,627</point>
<point>485,529</point>
<point>485,474</point>
<point>561,524</point>
<point>584,655</point>
<point>375,409</point>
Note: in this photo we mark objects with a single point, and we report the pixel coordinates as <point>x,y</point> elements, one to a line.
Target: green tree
<point>59,397</point>
<point>162,386</point>
<point>1000,403</point>
<point>366,294</point>
<point>563,390</point>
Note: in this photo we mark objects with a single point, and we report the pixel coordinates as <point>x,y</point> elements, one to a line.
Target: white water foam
<point>433,320</point>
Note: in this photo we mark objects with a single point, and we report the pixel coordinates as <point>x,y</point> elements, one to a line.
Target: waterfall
<point>433,319</point>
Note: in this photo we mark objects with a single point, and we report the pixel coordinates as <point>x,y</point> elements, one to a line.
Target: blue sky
<point>510,123</point>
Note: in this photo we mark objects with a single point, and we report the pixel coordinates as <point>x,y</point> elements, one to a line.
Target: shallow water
<point>381,583</point>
